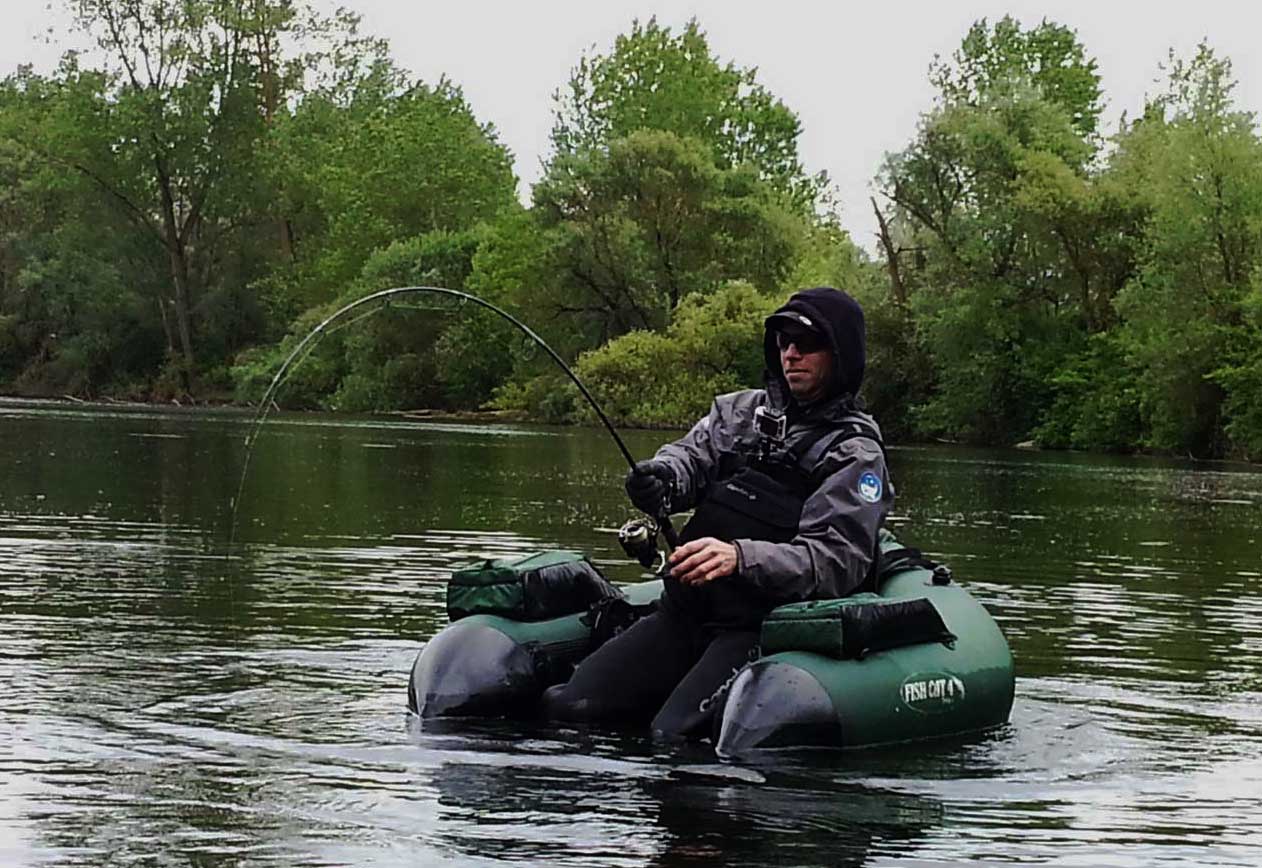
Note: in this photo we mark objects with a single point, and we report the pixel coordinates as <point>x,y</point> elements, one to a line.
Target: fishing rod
<point>334,322</point>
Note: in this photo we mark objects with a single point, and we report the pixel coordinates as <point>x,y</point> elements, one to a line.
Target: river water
<point>164,703</point>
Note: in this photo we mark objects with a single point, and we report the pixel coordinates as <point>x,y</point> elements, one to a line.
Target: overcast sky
<point>855,73</point>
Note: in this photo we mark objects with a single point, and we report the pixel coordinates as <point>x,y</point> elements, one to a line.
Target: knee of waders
<point>555,704</point>
<point>675,724</point>
<point>559,702</point>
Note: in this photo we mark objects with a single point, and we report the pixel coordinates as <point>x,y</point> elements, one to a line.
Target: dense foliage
<point>178,213</point>
<point>1087,292</point>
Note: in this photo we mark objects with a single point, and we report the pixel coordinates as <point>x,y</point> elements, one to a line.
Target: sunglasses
<point>806,342</point>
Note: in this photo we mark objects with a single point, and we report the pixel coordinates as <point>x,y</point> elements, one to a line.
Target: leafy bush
<point>1241,380</point>
<point>548,397</point>
<point>714,345</point>
<point>1097,401</point>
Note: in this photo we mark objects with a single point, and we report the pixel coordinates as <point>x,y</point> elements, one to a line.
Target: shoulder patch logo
<point>870,487</point>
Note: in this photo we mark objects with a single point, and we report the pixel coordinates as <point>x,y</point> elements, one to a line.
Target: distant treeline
<point>174,220</point>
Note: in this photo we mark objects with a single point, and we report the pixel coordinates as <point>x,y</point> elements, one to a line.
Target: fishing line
<point>381,299</point>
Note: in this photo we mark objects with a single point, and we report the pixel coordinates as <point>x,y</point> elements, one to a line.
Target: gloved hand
<point>648,485</point>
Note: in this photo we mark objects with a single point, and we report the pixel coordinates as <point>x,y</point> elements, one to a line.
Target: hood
<point>840,318</point>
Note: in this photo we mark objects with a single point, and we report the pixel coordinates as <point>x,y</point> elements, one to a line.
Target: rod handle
<point>668,531</point>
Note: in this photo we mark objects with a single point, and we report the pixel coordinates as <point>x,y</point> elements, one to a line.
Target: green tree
<point>183,145</point>
<point>985,284</point>
<point>363,164</point>
<point>405,358</point>
<point>1190,329</point>
<point>175,121</point>
<point>384,183</point>
<point>1240,375</point>
<point>1005,58</point>
<point>1001,247</point>
<point>654,79</point>
<point>672,176</point>
<point>638,226</point>
<point>76,314</point>
<point>418,351</point>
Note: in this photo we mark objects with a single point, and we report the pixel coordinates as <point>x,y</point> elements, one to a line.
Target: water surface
<point>165,703</point>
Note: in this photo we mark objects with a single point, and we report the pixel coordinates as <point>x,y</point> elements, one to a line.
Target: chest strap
<point>798,464</point>
<point>820,445</point>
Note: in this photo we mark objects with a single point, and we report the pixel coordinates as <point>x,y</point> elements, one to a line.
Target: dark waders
<point>663,670</point>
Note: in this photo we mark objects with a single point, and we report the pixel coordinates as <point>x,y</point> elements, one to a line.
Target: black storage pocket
<point>756,495</point>
<point>750,505</point>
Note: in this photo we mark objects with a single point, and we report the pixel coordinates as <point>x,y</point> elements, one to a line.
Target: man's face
<point>807,362</point>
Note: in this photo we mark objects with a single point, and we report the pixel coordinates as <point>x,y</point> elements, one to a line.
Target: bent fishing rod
<point>341,318</point>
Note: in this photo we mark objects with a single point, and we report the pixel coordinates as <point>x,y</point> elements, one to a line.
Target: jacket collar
<point>830,409</point>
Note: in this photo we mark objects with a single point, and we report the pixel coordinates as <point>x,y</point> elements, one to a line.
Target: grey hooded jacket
<point>832,553</point>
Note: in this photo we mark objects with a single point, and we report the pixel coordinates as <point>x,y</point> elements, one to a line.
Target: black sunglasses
<point>806,342</point>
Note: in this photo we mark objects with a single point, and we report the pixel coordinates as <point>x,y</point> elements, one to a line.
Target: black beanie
<point>837,316</point>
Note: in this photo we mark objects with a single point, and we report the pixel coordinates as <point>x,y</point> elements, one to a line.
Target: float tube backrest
<point>853,627</point>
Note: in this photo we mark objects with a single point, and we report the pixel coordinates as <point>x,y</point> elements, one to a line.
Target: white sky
<point>856,73</point>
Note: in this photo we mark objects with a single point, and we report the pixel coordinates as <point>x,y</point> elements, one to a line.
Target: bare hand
<point>703,560</point>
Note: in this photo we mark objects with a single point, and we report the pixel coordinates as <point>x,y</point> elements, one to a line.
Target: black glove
<point>648,485</point>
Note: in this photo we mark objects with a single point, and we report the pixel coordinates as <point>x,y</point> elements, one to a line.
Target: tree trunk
<point>286,230</point>
<point>166,324</point>
<point>179,272</point>
<point>177,256</point>
<point>891,256</point>
<point>270,102</point>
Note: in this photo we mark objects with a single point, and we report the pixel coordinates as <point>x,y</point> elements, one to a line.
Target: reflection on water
<point>169,700</point>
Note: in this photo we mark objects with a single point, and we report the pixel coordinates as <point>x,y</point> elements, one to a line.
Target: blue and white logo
<point>870,487</point>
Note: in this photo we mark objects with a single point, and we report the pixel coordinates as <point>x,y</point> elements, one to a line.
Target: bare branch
<point>891,256</point>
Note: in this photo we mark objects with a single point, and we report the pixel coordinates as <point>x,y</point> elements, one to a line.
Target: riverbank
<point>517,417</point>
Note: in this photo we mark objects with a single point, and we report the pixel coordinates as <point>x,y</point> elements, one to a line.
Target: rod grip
<point>668,531</point>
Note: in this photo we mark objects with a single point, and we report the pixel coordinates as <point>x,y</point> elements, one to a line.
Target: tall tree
<point>179,117</point>
<point>361,166</point>
<point>1004,57</point>
<point>995,202</point>
<point>76,280</point>
<point>1190,323</point>
<point>654,79</point>
<point>650,219</point>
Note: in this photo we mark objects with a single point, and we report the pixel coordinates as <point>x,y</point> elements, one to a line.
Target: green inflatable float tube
<point>920,659</point>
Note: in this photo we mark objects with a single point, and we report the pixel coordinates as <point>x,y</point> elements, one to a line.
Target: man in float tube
<point>790,489</point>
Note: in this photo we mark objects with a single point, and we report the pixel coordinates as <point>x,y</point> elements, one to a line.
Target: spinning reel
<point>638,538</point>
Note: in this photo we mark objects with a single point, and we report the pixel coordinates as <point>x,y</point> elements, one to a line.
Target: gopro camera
<point>769,424</point>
